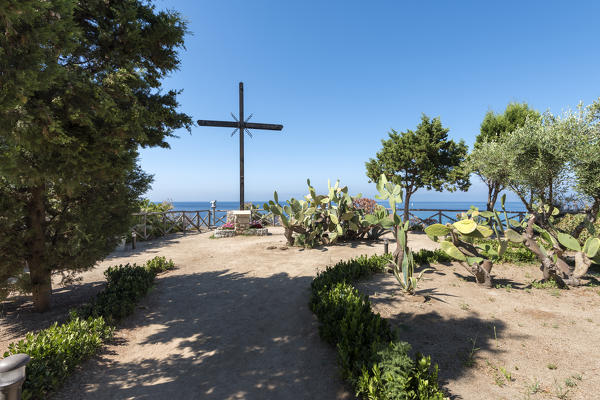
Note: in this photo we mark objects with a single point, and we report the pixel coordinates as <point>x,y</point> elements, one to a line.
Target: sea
<point>453,206</point>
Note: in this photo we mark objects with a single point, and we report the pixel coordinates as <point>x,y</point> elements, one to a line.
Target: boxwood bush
<point>57,350</point>
<point>371,358</point>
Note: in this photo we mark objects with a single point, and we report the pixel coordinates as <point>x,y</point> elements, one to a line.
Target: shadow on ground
<point>451,341</point>
<point>217,335</point>
<point>151,246</point>
<point>18,316</point>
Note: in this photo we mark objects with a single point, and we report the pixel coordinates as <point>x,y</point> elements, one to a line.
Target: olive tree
<point>485,161</point>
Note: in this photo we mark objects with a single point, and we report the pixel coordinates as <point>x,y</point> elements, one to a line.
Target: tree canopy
<point>488,163</point>
<point>423,158</point>
<point>549,158</point>
<point>79,93</point>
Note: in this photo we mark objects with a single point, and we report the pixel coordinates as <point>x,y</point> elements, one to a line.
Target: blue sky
<point>340,74</point>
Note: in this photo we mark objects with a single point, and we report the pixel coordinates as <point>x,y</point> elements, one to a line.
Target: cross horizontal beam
<point>247,125</point>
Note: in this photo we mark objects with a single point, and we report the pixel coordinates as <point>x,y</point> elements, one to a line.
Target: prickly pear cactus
<point>553,248</point>
<point>404,264</point>
<point>458,240</point>
<point>322,219</point>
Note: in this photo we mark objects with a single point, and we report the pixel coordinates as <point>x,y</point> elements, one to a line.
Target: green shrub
<point>159,264</point>
<point>56,351</point>
<point>397,376</point>
<point>568,222</point>
<point>125,285</point>
<point>424,257</point>
<point>516,253</point>
<point>371,359</point>
<point>348,271</point>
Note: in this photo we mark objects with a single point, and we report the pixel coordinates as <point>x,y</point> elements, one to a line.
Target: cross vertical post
<point>241,127</point>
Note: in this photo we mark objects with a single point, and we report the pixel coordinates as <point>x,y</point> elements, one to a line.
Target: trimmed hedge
<point>57,350</point>
<point>375,363</point>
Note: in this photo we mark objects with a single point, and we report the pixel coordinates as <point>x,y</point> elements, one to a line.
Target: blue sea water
<point>448,205</point>
<point>452,206</point>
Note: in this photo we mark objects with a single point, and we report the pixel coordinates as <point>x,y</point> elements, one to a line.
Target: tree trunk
<point>489,205</point>
<point>482,273</point>
<point>591,215</point>
<point>289,236</point>
<point>493,191</point>
<point>406,215</point>
<point>548,267</point>
<point>39,271</point>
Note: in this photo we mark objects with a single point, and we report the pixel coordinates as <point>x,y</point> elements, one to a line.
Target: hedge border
<point>371,357</point>
<point>56,351</point>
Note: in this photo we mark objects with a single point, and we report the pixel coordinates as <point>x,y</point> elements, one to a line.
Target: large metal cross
<point>242,126</point>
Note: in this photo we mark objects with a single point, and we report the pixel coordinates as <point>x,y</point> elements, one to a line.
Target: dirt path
<point>231,322</point>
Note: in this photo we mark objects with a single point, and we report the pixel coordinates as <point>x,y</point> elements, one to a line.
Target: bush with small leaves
<point>371,359</point>
<point>159,264</point>
<point>56,351</point>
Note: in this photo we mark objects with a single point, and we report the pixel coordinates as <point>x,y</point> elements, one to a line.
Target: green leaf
<point>381,183</point>
<point>340,231</point>
<point>484,230</point>
<point>502,248</point>
<point>513,223</point>
<point>547,237</point>
<point>386,222</point>
<point>465,226</point>
<point>591,246</point>
<point>474,260</point>
<point>334,218</point>
<point>568,241</point>
<point>276,197</point>
<point>513,236</point>
<point>437,230</point>
<point>347,216</point>
<point>371,219</point>
<point>452,251</point>
<point>486,214</point>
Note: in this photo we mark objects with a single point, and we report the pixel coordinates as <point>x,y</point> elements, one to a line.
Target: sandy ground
<point>509,342</point>
<point>232,322</point>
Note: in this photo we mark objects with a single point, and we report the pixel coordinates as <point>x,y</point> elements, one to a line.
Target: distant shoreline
<point>455,205</point>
